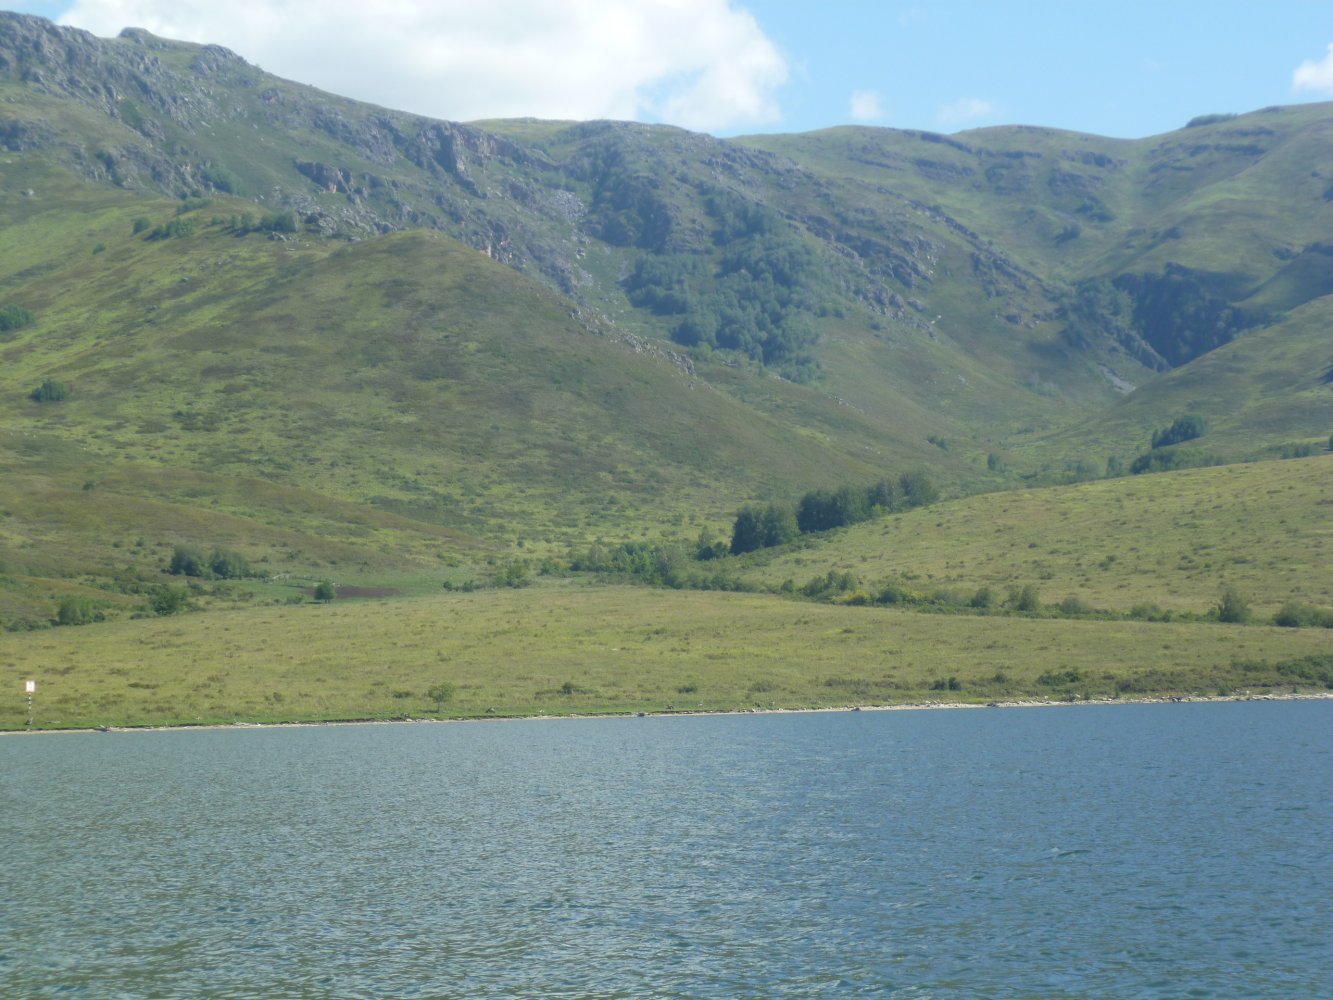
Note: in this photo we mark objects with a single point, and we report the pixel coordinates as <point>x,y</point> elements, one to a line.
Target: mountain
<point>347,340</point>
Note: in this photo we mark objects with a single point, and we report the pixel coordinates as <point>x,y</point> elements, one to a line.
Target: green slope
<point>458,349</point>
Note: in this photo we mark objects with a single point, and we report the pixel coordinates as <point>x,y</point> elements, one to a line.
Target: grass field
<point>563,648</point>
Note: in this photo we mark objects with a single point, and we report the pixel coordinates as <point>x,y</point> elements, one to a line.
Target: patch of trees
<point>1180,314</point>
<point>1173,459</point>
<point>1162,320</point>
<point>757,296</point>
<point>175,229</point>
<point>220,564</point>
<point>659,564</point>
<point>1167,456</point>
<point>1185,428</point>
<point>50,391</point>
<point>822,510</point>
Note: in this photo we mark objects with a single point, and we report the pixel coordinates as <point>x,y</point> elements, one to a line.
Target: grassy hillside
<point>400,404</point>
<point>1175,540</point>
<point>244,319</point>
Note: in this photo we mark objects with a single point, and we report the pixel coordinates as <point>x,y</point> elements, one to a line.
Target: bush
<point>1293,615</point>
<point>14,317</point>
<point>141,224</point>
<point>187,560</point>
<point>893,593</point>
<point>325,591</point>
<point>1185,428</point>
<point>171,230</point>
<point>50,391</point>
<point>1028,599</point>
<point>77,611</point>
<point>1073,607</point>
<point>167,600</point>
<point>228,565</point>
<point>1233,608</point>
<point>440,694</point>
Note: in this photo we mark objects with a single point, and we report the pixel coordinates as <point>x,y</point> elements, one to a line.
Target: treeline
<point>774,524</point>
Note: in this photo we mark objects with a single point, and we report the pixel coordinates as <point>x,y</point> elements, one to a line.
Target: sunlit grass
<point>561,649</point>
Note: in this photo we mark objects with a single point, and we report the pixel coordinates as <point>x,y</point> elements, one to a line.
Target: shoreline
<point>906,707</point>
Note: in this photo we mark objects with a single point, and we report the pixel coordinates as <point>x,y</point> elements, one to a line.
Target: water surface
<point>1148,850</point>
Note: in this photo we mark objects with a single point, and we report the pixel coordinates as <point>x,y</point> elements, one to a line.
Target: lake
<point>1133,850</point>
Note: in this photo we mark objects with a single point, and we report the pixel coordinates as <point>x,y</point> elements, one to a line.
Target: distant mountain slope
<point>342,335</point>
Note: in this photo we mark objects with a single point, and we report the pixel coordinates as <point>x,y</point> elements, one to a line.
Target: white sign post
<point>32,689</point>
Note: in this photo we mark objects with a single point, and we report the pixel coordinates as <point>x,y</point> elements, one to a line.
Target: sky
<point>1130,69</point>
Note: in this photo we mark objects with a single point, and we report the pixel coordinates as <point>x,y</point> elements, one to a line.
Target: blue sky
<point>1129,69</point>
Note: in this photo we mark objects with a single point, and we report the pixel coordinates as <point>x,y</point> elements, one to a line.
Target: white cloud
<point>701,64</point>
<point>866,106</point>
<point>967,111</point>
<point>1315,76</point>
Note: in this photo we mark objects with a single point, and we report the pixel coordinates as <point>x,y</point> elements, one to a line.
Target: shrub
<point>187,560</point>
<point>1056,678</point>
<point>1026,599</point>
<point>77,611</point>
<point>14,317</point>
<point>893,593</point>
<point>440,694</point>
<point>141,224</point>
<point>50,391</point>
<point>1185,428</point>
<point>228,565</point>
<point>1073,606</point>
<point>170,230</point>
<point>1293,615</point>
<point>513,574</point>
<point>325,591</point>
<point>167,600</point>
<point>984,599</point>
<point>1233,608</point>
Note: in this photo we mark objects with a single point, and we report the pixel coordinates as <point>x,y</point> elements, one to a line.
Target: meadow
<point>565,648</point>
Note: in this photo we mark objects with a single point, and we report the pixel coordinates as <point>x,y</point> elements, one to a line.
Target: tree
<point>187,560</point>
<point>883,495</point>
<point>50,391</point>
<point>228,565</point>
<point>747,533</point>
<point>440,694</point>
<point>1028,599</point>
<point>325,591</point>
<point>917,489</point>
<point>77,611</point>
<point>778,525</point>
<point>13,317</point>
<point>1185,428</point>
<point>1233,608</point>
<point>167,600</point>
